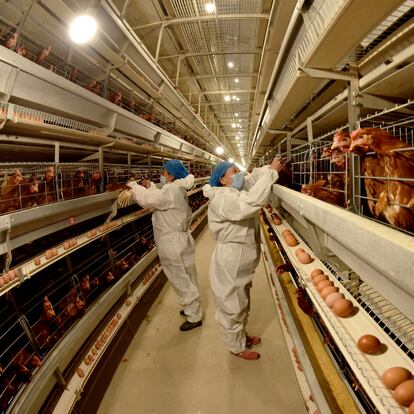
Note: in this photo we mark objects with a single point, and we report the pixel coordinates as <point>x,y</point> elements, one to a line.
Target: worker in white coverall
<point>171,221</point>
<point>233,220</point>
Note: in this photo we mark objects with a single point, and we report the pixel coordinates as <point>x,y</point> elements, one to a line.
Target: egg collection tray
<point>308,386</point>
<point>347,330</point>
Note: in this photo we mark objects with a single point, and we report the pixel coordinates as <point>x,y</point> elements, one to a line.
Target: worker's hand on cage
<point>277,164</point>
<point>131,183</point>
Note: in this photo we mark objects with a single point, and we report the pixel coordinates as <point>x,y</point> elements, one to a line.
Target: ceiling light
<point>237,138</point>
<point>236,114</point>
<point>238,99</point>
<point>227,98</point>
<point>236,80</point>
<point>219,150</point>
<point>233,125</point>
<point>230,65</point>
<point>234,97</point>
<point>210,7</point>
<point>82,29</point>
<point>231,160</point>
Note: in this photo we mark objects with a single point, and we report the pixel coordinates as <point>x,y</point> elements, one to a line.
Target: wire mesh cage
<point>18,359</point>
<point>88,71</point>
<point>383,173</point>
<point>369,171</point>
<point>36,316</point>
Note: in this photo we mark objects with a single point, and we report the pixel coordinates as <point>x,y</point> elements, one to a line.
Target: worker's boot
<point>187,325</point>
<point>253,340</point>
<point>182,313</point>
<point>249,355</point>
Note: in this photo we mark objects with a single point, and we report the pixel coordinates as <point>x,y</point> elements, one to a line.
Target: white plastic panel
<point>382,256</point>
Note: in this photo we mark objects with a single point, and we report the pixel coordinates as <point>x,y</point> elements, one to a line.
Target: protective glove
<point>146,183</point>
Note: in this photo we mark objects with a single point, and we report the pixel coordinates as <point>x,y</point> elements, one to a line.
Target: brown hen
<point>393,199</point>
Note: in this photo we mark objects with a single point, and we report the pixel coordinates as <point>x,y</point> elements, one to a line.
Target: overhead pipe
<point>268,29</point>
<point>290,29</point>
<point>125,28</point>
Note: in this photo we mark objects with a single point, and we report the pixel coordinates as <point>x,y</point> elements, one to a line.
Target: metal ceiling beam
<point>189,55</point>
<point>233,92</point>
<point>236,75</point>
<point>191,19</point>
<point>228,103</point>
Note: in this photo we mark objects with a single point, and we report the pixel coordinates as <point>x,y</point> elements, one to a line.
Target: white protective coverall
<point>171,221</point>
<point>234,222</point>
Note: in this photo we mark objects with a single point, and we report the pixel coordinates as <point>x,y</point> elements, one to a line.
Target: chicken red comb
<point>355,134</point>
<point>341,133</point>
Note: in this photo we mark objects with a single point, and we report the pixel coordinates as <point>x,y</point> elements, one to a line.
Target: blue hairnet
<point>176,168</point>
<point>218,172</point>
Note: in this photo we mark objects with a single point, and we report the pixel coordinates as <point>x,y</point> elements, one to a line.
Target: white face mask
<point>238,181</point>
<point>163,180</point>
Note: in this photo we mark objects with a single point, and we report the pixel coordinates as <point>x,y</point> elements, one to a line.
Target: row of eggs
<point>397,379</point>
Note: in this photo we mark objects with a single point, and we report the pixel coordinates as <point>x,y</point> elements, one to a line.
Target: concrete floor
<point>168,371</point>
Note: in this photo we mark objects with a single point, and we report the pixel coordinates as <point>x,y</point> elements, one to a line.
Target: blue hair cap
<point>176,168</point>
<point>218,172</point>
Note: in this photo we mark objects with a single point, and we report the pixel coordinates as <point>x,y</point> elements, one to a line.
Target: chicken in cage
<point>196,200</point>
<point>387,168</point>
<point>18,192</point>
<point>18,360</point>
<point>52,302</point>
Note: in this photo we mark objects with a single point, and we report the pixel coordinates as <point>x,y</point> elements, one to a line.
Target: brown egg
<point>6,278</point>
<point>37,261</point>
<point>118,315</point>
<point>316,272</point>
<point>369,344</point>
<point>325,292</point>
<point>332,298</point>
<point>1,282</point>
<point>12,275</point>
<point>48,254</point>
<point>286,233</point>
<point>298,251</point>
<point>393,377</point>
<point>305,258</point>
<point>411,408</point>
<point>291,241</point>
<point>80,372</point>
<point>89,234</point>
<point>66,245</point>
<point>54,251</point>
<point>404,393</point>
<point>323,284</point>
<point>342,307</point>
<point>319,278</point>
<point>277,221</point>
